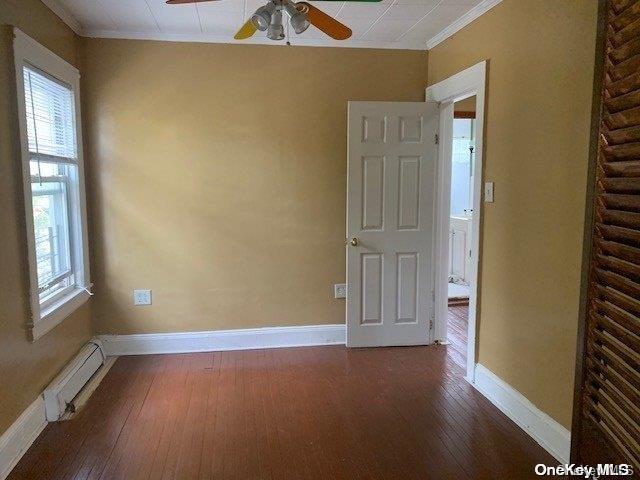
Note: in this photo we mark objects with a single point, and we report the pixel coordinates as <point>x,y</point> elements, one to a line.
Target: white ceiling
<point>412,24</point>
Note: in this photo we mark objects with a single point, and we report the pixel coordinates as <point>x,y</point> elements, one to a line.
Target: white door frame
<point>462,85</point>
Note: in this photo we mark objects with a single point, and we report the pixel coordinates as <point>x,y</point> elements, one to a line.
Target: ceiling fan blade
<point>324,22</point>
<point>246,30</point>
<point>178,2</point>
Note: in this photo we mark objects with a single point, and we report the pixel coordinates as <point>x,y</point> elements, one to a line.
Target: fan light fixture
<point>262,18</point>
<point>300,15</point>
<point>269,18</point>
<point>276,30</point>
<point>297,18</point>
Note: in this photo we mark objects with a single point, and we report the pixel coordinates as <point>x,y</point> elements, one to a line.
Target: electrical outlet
<point>340,290</point>
<point>142,297</point>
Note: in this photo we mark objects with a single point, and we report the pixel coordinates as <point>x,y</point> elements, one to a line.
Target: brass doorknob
<point>353,242</point>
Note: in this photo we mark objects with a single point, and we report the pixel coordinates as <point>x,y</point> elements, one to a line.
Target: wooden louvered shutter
<point>607,418</point>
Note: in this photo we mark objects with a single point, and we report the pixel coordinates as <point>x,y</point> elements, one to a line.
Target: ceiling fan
<point>301,14</point>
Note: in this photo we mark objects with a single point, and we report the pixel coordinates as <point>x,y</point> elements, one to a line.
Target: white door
<point>390,196</point>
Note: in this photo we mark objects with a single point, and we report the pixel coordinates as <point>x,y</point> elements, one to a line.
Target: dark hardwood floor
<point>457,334</point>
<point>297,413</point>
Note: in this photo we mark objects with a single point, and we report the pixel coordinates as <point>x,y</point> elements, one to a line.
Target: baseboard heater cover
<point>59,395</point>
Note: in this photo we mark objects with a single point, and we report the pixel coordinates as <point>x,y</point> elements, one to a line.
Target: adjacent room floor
<point>296,413</point>
<point>457,321</point>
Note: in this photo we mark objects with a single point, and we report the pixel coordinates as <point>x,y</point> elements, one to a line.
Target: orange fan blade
<point>246,30</point>
<point>324,22</point>
<point>178,2</point>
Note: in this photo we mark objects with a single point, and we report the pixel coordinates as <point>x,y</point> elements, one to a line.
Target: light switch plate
<point>340,290</point>
<point>488,192</point>
<point>142,297</point>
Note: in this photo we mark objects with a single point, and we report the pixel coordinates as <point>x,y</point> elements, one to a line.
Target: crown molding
<point>477,11</point>
<point>298,41</point>
<point>65,15</point>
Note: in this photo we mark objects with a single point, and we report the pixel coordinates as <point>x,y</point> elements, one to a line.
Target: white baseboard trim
<point>20,435</point>
<point>221,340</point>
<point>551,436</point>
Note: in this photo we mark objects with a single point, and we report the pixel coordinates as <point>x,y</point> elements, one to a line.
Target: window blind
<point>50,113</point>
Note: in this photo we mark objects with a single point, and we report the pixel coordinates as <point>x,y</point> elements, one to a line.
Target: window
<point>53,183</point>
<point>462,167</point>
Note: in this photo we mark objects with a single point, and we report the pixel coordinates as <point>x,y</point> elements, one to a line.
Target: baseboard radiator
<point>59,395</point>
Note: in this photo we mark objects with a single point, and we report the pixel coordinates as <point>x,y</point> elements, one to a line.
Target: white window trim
<point>29,52</point>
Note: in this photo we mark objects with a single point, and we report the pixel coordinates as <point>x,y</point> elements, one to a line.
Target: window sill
<point>56,313</point>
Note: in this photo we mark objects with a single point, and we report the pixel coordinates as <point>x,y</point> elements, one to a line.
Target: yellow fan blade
<point>246,31</point>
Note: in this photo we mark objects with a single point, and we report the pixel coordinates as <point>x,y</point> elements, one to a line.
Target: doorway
<point>460,221</point>
<point>464,92</point>
<point>399,164</point>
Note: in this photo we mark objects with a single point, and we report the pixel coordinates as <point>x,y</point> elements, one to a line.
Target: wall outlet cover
<point>340,290</point>
<point>142,297</point>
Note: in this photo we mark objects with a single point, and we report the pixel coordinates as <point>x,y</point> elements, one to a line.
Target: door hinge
<point>436,139</point>
<point>432,313</point>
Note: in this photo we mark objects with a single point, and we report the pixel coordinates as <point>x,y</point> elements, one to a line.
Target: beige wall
<point>25,367</point>
<point>541,59</point>
<point>218,174</point>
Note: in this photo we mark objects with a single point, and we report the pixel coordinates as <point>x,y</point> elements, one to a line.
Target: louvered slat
<point>623,235</point>
<point>624,118</point>
<point>625,302</point>
<point>603,373</point>
<point>620,202</point>
<point>614,250</point>
<point>606,358</point>
<point>621,185</point>
<point>603,409</point>
<point>621,70</point>
<point>610,387</point>
<point>624,169</point>
<point>618,405</point>
<point>626,34</point>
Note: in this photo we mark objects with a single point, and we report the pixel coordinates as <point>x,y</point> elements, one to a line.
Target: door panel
<point>408,193</point>
<point>391,179</point>
<point>371,288</point>
<point>407,294</point>
<point>372,193</point>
